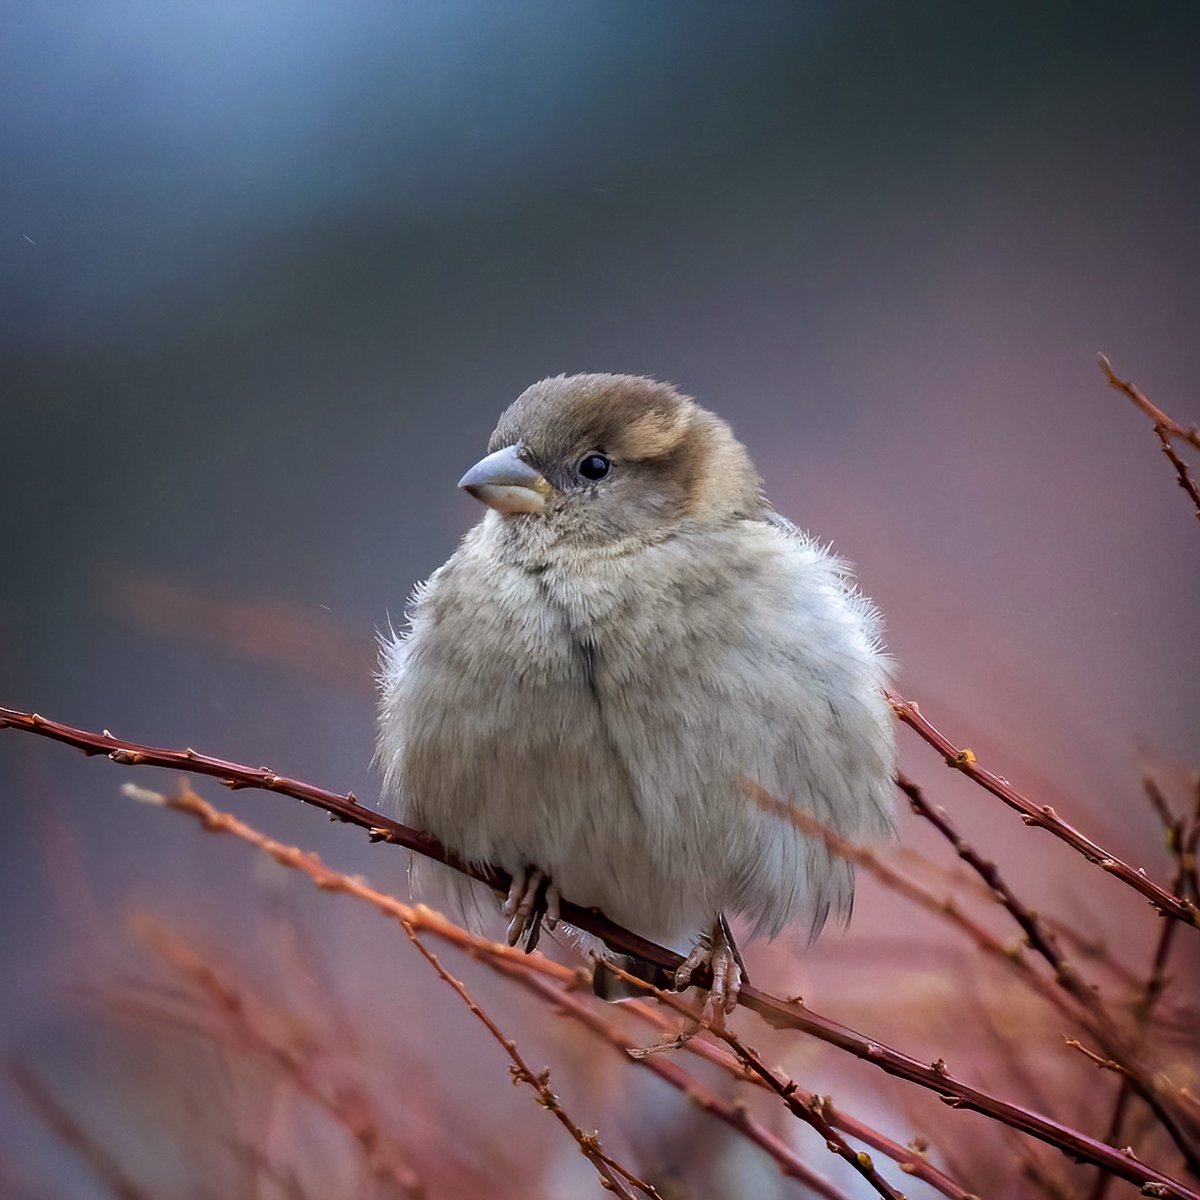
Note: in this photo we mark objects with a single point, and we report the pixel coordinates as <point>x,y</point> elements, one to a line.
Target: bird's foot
<point>720,956</point>
<point>533,901</point>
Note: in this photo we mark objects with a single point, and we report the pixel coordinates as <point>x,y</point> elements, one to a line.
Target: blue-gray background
<point>268,273</point>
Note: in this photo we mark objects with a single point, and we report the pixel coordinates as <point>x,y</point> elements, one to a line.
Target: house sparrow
<point>627,636</point>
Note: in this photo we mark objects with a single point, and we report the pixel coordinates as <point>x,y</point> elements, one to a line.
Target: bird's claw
<point>719,955</point>
<point>533,901</point>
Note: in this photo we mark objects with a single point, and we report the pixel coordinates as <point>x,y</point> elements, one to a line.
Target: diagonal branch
<point>732,1113</point>
<point>535,971</point>
<point>1165,429</point>
<point>1183,839</point>
<point>91,1152</point>
<point>1042,941</point>
<point>1042,816</point>
<point>780,1013</point>
<point>614,1176</point>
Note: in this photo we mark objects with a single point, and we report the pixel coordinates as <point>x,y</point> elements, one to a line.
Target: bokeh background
<point>268,274</point>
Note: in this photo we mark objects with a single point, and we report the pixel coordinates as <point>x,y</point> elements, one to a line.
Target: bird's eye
<point>593,466</point>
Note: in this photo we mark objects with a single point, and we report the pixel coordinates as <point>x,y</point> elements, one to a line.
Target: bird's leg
<point>533,899</point>
<point>718,953</point>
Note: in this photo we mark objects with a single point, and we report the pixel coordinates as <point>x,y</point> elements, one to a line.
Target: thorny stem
<point>614,1176</point>
<point>1042,941</point>
<point>731,1113</point>
<point>516,964</point>
<point>787,1014</point>
<point>1165,428</point>
<point>1183,839</point>
<point>1042,816</point>
<point>813,1113</point>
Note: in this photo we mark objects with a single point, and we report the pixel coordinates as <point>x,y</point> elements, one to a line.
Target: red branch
<point>1165,428</point>
<point>780,1013</point>
<point>1042,816</point>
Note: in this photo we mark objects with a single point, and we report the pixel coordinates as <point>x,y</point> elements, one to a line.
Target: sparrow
<point>627,637</point>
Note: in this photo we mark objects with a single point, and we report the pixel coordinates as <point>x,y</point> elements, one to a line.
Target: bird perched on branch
<point>627,637</point>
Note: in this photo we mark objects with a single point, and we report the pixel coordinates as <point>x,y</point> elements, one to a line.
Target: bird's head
<point>593,459</point>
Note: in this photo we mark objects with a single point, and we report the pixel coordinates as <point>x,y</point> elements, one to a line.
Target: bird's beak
<point>505,482</point>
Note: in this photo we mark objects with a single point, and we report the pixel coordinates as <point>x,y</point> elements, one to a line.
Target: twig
<point>780,1013</point>
<point>411,920</point>
<point>95,1156</point>
<point>1041,816</point>
<point>812,1114</point>
<point>1165,428</point>
<point>733,1114</point>
<point>1091,1009</point>
<point>1183,840</point>
<point>1042,941</point>
<point>611,1172</point>
<point>516,964</point>
<point>363,1127</point>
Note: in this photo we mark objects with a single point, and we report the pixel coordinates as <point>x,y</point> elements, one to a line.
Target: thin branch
<point>72,1134</point>
<point>611,1172</point>
<point>1097,1060</point>
<point>732,1113</point>
<point>515,964</point>
<point>1042,816</point>
<point>780,1013</point>
<point>1090,1011</point>
<point>812,1114</point>
<point>1040,940</point>
<point>1185,433</point>
<point>1165,428</point>
<point>1183,840</point>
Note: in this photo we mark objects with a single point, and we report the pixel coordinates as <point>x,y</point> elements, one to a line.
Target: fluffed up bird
<point>628,636</point>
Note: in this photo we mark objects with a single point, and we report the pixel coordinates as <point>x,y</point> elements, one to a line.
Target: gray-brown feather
<point>585,692</point>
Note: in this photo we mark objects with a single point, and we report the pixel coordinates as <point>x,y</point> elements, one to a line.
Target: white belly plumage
<point>520,728</point>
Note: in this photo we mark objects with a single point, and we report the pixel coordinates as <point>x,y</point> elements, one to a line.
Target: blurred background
<point>268,274</point>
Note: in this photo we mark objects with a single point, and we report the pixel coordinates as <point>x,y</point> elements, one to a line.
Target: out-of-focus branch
<point>516,964</point>
<point>946,908</point>
<point>1165,428</point>
<point>935,1077</point>
<point>1041,816</point>
<point>383,1160</point>
<point>72,1134</point>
